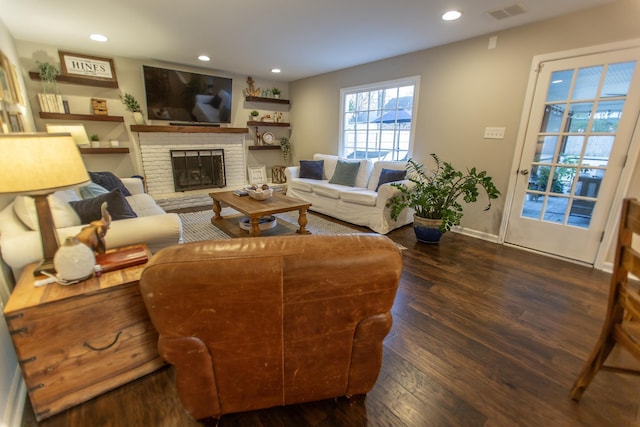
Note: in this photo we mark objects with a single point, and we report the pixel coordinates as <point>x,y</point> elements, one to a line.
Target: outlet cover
<point>493,133</point>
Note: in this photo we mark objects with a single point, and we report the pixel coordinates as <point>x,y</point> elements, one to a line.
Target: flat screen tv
<point>187,97</point>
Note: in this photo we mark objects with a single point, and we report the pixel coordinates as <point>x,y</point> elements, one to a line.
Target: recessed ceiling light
<point>204,58</point>
<point>451,15</point>
<point>276,70</point>
<point>98,38</point>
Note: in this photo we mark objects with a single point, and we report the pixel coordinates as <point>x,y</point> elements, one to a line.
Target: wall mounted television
<point>187,97</point>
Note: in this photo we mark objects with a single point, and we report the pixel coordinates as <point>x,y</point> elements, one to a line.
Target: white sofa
<point>21,245</point>
<point>360,204</point>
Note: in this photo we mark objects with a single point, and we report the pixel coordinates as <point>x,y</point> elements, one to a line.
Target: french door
<point>582,118</point>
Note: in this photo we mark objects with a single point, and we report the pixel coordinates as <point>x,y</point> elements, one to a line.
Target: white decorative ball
<point>74,260</point>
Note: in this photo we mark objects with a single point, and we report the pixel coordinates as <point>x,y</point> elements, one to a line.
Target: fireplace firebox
<point>197,169</point>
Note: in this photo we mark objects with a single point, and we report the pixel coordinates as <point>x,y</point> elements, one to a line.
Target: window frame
<point>379,86</point>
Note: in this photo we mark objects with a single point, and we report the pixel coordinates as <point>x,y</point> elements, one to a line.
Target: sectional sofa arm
<point>292,172</point>
<point>134,185</point>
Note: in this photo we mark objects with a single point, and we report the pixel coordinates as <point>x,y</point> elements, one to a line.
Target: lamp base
<point>45,265</point>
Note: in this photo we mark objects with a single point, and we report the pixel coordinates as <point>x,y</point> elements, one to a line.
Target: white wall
<point>464,87</point>
<point>12,391</point>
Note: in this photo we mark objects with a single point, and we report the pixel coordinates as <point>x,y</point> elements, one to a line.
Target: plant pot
<point>427,230</point>
<point>138,118</point>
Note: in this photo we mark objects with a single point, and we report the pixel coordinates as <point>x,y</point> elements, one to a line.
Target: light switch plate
<point>494,133</point>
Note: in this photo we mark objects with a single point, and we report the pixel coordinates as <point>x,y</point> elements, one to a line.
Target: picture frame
<point>87,66</point>
<point>257,174</point>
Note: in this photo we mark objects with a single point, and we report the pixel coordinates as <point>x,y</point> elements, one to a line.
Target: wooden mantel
<point>187,129</point>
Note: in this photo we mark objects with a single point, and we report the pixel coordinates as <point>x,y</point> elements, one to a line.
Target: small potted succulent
<point>276,92</point>
<point>48,75</point>
<point>253,116</point>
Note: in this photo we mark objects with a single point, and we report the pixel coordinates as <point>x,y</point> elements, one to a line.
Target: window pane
<point>579,116</point>
<point>587,82</point>
<point>546,148</point>
<point>560,85</point>
<point>618,79</point>
<point>607,116</point>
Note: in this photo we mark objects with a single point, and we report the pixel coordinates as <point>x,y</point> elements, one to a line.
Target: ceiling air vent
<point>509,11</point>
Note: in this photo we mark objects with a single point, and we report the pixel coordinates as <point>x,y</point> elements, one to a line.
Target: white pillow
<point>63,214</point>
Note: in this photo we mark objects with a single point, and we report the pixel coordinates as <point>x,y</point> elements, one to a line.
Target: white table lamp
<point>37,165</point>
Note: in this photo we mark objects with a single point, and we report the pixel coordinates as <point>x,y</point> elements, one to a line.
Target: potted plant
<point>285,146</point>
<point>48,75</point>
<point>95,140</point>
<point>254,115</point>
<point>434,196</point>
<point>133,105</point>
<point>276,92</point>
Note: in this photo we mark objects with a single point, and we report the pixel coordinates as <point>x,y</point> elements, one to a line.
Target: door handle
<point>524,172</point>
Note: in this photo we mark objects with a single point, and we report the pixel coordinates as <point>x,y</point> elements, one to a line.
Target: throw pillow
<point>345,173</point>
<point>109,181</point>
<point>311,169</point>
<point>92,190</point>
<point>390,175</point>
<point>117,205</point>
<point>63,215</point>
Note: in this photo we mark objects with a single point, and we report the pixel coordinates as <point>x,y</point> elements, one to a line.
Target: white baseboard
<point>15,401</point>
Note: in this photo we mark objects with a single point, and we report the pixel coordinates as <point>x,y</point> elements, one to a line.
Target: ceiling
<point>250,37</point>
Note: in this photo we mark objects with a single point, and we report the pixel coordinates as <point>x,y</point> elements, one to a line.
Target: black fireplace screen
<point>196,169</point>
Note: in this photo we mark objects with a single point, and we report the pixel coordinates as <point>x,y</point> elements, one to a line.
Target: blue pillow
<point>311,169</point>
<point>92,190</point>
<point>109,181</point>
<point>89,209</point>
<point>390,175</point>
<point>345,173</point>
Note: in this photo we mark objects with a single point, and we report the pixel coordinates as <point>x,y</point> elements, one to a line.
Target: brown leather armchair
<point>259,322</point>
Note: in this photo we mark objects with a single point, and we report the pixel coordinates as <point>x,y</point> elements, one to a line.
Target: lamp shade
<point>40,163</point>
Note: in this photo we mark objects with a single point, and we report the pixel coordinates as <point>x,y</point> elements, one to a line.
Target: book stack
<point>51,103</point>
<point>121,258</point>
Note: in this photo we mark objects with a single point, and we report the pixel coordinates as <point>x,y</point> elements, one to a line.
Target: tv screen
<point>186,97</point>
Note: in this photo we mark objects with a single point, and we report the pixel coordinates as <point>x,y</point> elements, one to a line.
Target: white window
<point>376,120</point>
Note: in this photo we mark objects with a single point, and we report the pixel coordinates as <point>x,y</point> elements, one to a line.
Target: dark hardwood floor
<point>483,335</point>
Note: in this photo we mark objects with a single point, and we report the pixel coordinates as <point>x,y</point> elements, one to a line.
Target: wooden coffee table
<point>256,209</point>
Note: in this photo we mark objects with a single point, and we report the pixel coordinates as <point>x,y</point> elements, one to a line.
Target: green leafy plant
<point>435,194</point>
<point>48,75</point>
<point>254,113</point>
<point>94,137</point>
<point>131,103</point>
<point>285,146</point>
<point>275,91</point>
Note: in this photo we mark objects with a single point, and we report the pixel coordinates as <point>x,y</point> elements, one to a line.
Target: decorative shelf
<point>270,100</point>
<point>92,117</point>
<point>187,129</point>
<point>280,124</point>
<point>264,147</point>
<point>34,75</point>
<point>120,150</point>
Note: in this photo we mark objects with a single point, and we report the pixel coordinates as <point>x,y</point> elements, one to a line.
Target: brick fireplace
<point>156,144</point>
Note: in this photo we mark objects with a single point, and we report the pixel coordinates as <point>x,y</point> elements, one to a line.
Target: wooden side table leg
<point>255,226</point>
<point>302,221</point>
<point>216,210</point>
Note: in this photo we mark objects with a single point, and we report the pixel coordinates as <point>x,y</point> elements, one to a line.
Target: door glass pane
<point>555,209</point>
<point>560,85</point>
<point>552,121</point>
<point>579,115</point>
<point>587,82</point>
<point>571,150</point>
<point>581,211</point>
<point>598,150</point>
<point>533,206</point>
<point>618,79</point>
<point>545,149</point>
<point>607,116</point>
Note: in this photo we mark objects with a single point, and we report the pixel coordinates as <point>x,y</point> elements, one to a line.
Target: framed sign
<point>257,174</point>
<point>86,66</point>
